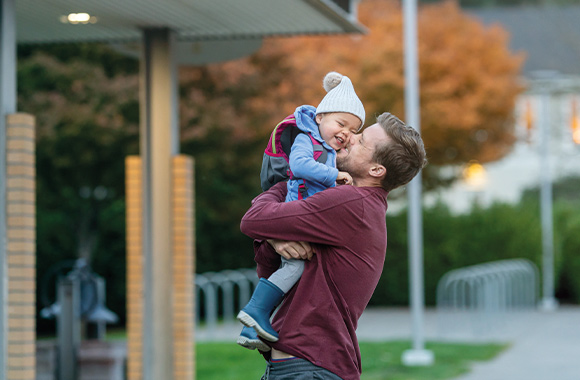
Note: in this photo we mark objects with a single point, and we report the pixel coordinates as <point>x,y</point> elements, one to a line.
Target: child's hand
<point>344,178</point>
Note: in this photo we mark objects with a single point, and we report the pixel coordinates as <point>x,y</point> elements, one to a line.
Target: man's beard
<point>344,165</point>
<point>341,163</point>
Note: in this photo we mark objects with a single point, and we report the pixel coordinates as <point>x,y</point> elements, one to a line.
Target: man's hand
<point>344,178</point>
<point>292,249</point>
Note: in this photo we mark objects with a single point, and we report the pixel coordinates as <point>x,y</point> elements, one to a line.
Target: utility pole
<point>418,355</point>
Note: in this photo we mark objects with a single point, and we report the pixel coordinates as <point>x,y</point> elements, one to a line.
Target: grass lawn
<point>381,361</point>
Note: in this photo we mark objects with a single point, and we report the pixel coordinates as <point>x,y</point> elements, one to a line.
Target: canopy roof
<point>192,20</point>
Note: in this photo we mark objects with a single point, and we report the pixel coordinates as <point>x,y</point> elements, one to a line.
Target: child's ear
<point>319,118</point>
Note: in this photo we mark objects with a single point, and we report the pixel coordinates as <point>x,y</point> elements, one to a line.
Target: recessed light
<point>78,18</point>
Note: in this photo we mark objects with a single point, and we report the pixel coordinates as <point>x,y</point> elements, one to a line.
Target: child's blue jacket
<point>317,176</point>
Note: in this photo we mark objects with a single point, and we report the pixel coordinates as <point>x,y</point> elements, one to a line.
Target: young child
<point>339,115</point>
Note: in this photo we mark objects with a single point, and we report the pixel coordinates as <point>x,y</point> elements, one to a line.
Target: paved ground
<point>544,345</point>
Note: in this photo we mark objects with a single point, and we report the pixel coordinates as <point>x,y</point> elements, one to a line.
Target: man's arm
<point>292,249</point>
<point>267,254</point>
<point>330,217</point>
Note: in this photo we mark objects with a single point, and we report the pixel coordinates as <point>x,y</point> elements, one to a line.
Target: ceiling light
<point>78,18</point>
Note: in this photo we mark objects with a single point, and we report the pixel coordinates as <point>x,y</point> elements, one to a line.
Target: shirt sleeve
<point>303,164</point>
<point>329,217</point>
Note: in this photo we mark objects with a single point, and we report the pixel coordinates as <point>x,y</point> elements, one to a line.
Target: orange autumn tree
<point>468,77</point>
<point>468,87</point>
<point>468,82</point>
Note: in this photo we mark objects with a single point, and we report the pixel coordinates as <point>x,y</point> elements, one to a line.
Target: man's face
<point>357,157</point>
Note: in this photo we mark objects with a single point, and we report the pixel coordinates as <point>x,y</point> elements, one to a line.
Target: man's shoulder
<point>348,192</point>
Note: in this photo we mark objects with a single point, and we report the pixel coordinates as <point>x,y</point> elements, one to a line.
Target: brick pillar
<point>183,267</point>
<point>21,246</point>
<point>135,302</point>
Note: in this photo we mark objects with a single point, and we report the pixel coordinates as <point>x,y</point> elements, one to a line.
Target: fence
<point>217,291</point>
<point>474,295</point>
<point>482,294</point>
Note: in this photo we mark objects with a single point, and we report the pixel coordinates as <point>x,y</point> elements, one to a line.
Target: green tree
<point>86,125</point>
<point>227,112</point>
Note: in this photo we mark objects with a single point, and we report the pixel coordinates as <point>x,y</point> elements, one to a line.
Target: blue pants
<point>297,369</point>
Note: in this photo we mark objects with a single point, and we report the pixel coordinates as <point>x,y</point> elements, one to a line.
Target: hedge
<point>501,231</point>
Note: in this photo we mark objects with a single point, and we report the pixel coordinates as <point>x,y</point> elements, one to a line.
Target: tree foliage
<point>511,3</point>
<point>227,112</point>
<point>468,77</point>
<point>86,125</point>
<point>468,88</point>
<point>498,232</point>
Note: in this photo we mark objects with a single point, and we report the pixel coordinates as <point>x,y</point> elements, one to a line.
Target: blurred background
<point>486,66</point>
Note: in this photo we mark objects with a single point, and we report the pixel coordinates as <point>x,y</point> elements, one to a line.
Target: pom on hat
<point>331,80</point>
<point>340,97</point>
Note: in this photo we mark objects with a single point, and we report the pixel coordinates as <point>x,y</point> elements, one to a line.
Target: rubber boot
<point>249,339</point>
<point>257,312</point>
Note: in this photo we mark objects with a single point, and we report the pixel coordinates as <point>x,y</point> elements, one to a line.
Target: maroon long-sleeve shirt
<point>346,225</point>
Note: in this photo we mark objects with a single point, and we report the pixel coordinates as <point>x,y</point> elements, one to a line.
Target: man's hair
<point>404,156</point>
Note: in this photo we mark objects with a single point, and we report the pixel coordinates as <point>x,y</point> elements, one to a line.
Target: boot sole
<point>253,344</point>
<point>248,321</point>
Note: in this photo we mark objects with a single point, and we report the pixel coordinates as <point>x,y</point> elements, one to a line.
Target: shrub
<point>499,232</point>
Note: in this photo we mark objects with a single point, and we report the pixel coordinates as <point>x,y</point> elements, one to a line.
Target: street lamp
<point>548,302</point>
<point>547,84</point>
<point>575,124</point>
<point>475,175</point>
<point>418,355</point>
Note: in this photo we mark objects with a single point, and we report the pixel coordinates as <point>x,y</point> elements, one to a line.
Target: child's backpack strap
<point>302,189</point>
<point>287,138</point>
<point>275,163</point>
<point>320,153</point>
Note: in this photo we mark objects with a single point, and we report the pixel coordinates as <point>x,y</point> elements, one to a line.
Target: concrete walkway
<point>543,345</point>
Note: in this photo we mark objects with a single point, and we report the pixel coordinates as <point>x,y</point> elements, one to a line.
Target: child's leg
<point>288,274</point>
<point>267,296</point>
<point>257,312</point>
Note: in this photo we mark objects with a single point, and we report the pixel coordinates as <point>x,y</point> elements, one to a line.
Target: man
<point>345,226</point>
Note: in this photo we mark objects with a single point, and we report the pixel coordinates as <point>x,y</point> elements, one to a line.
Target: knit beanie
<point>340,97</point>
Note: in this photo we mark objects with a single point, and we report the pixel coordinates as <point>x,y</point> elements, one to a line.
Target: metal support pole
<point>548,301</point>
<point>159,142</point>
<point>101,326</point>
<point>68,328</point>
<point>418,355</point>
<point>7,106</point>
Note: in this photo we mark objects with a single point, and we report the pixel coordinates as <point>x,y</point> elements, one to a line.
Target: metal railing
<point>215,289</point>
<point>494,286</point>
<point>483,293</point>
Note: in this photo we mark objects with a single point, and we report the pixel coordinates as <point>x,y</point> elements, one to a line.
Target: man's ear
<point>377,171</point>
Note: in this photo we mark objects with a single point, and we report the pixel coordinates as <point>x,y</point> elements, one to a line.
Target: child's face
<point>337,127</point>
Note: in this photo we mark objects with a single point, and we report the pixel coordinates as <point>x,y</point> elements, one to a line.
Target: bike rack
<point>484,293</point>
<point>212,284</point>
